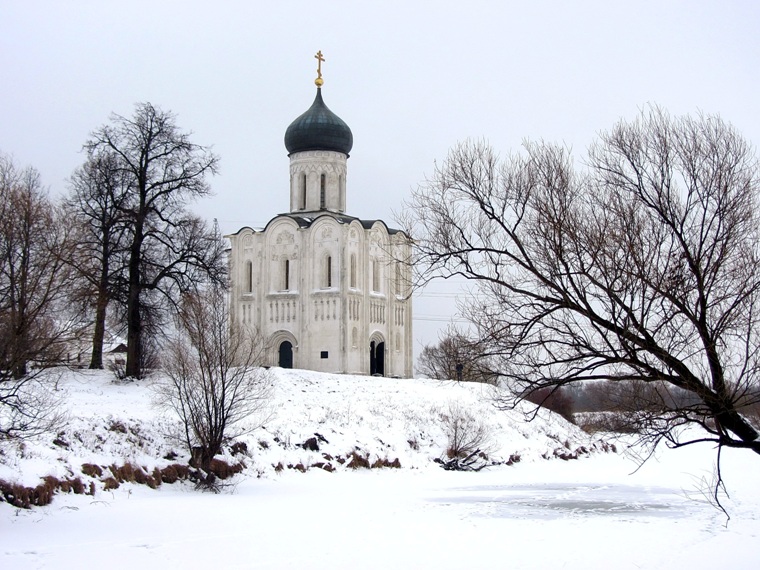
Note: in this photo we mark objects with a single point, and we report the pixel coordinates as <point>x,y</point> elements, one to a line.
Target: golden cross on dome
<point>319,81</point>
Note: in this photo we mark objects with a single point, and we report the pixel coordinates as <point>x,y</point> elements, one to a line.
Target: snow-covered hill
<point>313,420</point>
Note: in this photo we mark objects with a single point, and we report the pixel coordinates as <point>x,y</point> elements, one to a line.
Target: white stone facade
<point>318,181</point>
<point>326,291</point>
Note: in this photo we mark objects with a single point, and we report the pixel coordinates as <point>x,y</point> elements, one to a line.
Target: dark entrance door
<point>377,358</point>
<point>286,354</point>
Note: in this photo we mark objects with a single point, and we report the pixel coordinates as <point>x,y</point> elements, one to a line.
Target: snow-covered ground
<point>593,512</point>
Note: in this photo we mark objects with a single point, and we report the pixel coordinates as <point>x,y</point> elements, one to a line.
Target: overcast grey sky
<point>410,79</point>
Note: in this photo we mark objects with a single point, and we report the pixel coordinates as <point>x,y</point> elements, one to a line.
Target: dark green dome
<point>319,129</point>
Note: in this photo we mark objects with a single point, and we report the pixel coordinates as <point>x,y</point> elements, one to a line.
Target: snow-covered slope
<point>400,422</point>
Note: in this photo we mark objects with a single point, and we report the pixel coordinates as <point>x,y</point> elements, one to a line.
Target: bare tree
<point>34,328</point>
<point>642,266</point>
<point>214,381</point>
<point>455,357</point>
<point>32,274</point>
<point>99,193</point>
<point>169,250</point>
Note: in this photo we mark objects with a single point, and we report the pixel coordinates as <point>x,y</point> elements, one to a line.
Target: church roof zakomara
<point>306,219</point>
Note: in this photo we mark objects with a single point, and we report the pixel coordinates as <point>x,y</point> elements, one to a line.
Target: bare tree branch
<point>640,267</point>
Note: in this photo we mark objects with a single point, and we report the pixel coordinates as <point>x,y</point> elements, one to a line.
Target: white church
<point>325,290</point>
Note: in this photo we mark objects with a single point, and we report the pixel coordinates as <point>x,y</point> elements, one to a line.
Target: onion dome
<point>319,129</point>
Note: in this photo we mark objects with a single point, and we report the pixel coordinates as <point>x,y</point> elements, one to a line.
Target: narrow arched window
<point>375,275</point>
<point>248,277</point>
<point>286,275</point>
<point>322,197</point>
<point>398,278</point>
<point>303,191</point>
<point>328,272</point>
<point>353,271</point>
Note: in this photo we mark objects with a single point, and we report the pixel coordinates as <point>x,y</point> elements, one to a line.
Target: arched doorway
<point>282,349</point>
<point>377,358</point>
<point>286,354</point>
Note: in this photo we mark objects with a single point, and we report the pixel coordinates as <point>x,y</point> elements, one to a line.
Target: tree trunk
<point>19,344</point>
<point>134,333</point>
<point>101,306</point>
<point>96,360</point>
<point>731,420</point>
<point>134,323</point>
<point>20,369</point>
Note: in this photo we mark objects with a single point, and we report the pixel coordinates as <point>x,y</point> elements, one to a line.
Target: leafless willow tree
<point>169,250</point>
<point>639,266</point>
<point>214,380</point>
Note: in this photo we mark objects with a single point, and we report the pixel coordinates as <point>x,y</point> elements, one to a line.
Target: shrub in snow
<point>92,470</point>
<point>213,379</point>
<point>41,495</point>
<point>468,439</point>
<point>358,461</point>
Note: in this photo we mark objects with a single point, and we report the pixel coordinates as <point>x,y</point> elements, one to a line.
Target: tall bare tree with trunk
<point>33,276</point>
<point>641,266</point>
<point>34,326</point>
<point>99,193</point>
<point>169,250</point>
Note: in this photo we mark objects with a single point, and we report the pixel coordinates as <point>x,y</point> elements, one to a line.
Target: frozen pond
<point>550,514</point>
<point>553,500</point>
